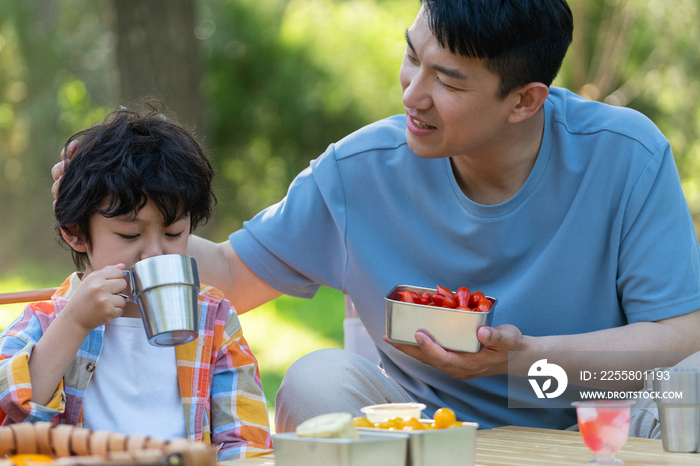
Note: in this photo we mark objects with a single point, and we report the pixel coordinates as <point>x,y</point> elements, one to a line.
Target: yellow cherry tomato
<point>455,424</point>
<point>444,417</point>
<point>393,423</point>
<point>362,422</point>
<point>413,424</point>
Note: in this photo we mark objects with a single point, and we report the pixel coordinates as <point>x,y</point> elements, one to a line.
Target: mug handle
<point>130,281</point>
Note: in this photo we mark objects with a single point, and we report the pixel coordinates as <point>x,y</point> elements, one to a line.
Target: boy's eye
<point>128,236</point>
<point>173,235</point>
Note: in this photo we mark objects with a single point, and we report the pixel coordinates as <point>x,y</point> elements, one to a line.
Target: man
<point>569,212</point>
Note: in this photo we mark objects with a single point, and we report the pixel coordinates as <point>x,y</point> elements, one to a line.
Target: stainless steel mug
<point>679,416</point>
<point>165,289</point>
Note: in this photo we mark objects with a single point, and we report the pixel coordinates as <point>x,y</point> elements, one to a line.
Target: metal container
<point>679,417</point>
<point>165,289</point>
<point>452,329</point>
<point>456,445</point>
<point>371,449</point>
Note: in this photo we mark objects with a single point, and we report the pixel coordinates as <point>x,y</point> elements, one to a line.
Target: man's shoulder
<point>580,116</point>
<point>383,135</point>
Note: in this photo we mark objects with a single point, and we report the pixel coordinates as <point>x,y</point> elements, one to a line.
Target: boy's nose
<point>151,250</point>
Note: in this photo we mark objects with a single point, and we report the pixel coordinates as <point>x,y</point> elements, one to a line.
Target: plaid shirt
<point>220,387</point>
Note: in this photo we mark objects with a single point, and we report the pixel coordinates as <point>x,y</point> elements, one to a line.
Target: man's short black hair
<point>521,41</point>
<point>135,155</point>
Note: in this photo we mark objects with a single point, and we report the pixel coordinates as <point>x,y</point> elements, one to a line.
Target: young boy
<point>138,185</point>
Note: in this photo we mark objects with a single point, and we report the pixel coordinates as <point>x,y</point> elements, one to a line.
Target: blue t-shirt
<point>600,235</point>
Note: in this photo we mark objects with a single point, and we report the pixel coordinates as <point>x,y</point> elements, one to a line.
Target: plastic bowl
<point>378,413</point>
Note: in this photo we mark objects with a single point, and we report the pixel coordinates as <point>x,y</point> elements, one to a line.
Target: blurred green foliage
<point>285,78</point>
<point>54,80</point>
<point>280,91</point>
<point>643,54</point>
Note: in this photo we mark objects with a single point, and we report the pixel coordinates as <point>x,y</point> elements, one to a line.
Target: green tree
<point>157,53</point>
<point>53,57</point>
<point>285,79</point>
<point>643,54</point>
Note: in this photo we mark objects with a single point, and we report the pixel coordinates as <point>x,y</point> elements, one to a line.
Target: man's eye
<point>128,236</point>
<point>446,86</point>
<point>173,235</point>
<point>411,59</point>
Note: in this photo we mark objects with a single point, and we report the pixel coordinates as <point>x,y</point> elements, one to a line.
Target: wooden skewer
<point>92,446</point>
<point>43,438</point>
<point>98,443</point>
<point>60,440</point>
<point>116,442</point>
<point>7,442</point>
<point>135,442</point>
<point>27,296</point>
<point>25,438</point>
<point>80,441</point>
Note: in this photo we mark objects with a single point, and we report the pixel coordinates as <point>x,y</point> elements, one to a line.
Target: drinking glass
<point>604,426</point>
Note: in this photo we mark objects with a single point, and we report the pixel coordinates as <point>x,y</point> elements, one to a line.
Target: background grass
<point>283,330</point>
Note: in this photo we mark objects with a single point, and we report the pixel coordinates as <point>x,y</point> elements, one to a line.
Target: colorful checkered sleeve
<point>238,409</point>
<point>16,344</point>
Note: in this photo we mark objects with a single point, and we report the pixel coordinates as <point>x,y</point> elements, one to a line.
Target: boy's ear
<point>531,98</point>
<point>71,237</point>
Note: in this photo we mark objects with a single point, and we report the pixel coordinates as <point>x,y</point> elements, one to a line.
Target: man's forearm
<point>219,266</point>
<point>636,346</point>
<point>674,334</point>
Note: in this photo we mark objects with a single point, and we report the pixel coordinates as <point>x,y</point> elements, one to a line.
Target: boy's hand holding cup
<point>97,299</point>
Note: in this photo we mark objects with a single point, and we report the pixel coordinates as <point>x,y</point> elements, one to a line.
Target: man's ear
<point>531,97</point>
<point>72,238</point>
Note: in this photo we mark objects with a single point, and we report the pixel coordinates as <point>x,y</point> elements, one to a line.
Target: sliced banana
<point>333,425</point>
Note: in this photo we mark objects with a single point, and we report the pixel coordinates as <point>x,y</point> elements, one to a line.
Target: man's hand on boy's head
<point>96,301</point>
<point>59,169</point>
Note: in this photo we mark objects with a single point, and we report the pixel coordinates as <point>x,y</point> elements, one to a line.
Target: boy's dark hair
<point>521,41</point>
<point>135,155</point>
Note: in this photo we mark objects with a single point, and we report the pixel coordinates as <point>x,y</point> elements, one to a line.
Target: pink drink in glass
<point>604,426</point>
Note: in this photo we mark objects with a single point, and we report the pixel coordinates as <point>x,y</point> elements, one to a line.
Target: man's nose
<point>415,93</point>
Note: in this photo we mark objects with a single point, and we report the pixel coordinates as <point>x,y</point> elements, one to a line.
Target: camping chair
<point>27,296</point>
<point>356,338</point>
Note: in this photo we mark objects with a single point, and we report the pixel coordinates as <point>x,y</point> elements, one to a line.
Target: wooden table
<point>525,446</point>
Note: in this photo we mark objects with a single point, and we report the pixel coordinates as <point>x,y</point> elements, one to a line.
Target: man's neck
<point>494,176</point>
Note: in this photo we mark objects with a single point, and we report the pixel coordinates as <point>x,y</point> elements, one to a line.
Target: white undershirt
<point>134,389</point>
